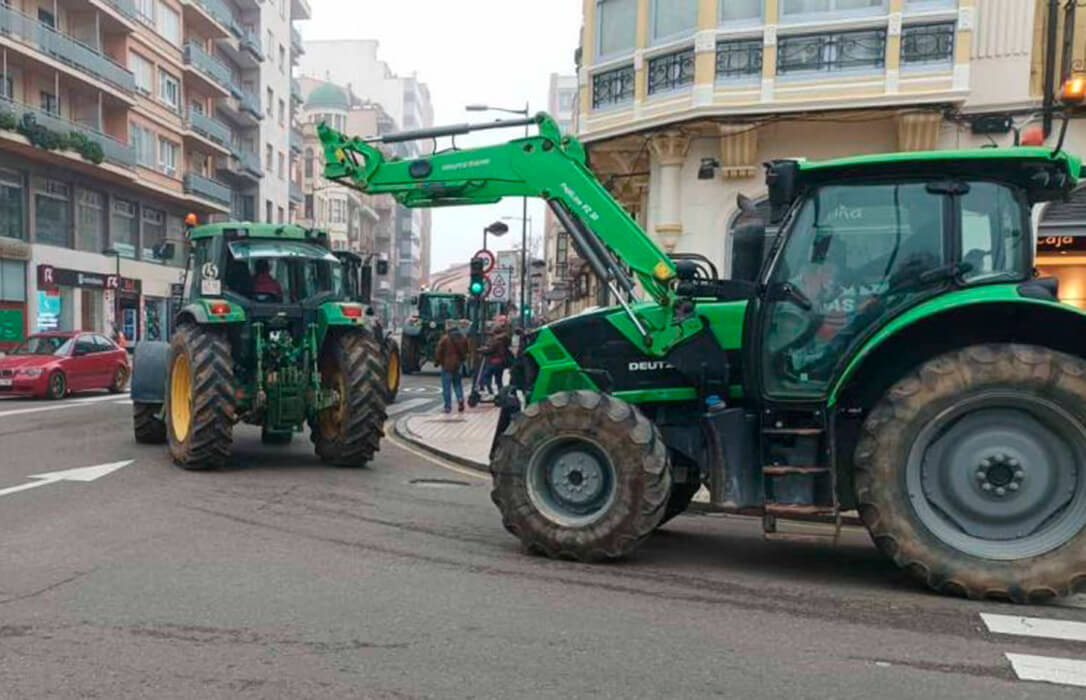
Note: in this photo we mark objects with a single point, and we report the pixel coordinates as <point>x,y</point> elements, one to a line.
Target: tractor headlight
<point>433,324</point>
<point>31,372</point>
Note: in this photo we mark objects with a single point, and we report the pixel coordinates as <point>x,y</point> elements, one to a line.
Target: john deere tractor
<point>271,336</point>
<point>425,327</point>
<point>360,271</point>
<point>890,352</point>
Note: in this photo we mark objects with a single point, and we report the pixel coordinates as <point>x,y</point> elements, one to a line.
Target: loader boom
<point>548,166</point>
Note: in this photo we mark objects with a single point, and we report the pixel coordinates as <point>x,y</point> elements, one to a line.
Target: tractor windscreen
<point>283,271</point>
<point>443,308</point>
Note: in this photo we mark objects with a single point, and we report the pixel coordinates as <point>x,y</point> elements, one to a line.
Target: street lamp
<point>497,229</point>
<point>524,222</point>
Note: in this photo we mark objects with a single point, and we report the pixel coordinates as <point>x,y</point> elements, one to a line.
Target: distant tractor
<point>268,335</point>
<point>360,273</point>
<point>424,328</point>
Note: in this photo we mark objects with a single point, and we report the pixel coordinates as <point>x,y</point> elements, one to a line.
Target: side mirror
<point>781,177</point>
<point>382,268</point>
<point>745,204</point>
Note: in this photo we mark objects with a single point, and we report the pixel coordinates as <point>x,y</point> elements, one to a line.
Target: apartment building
<point>681,101</point>
<point>560,256</point>
<point>118,118</point>
<point>407,101</point>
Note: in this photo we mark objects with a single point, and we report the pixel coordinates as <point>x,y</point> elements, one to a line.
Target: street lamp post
<point>524,211</point>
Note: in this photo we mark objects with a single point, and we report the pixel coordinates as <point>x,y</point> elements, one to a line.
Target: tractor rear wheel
<point>392,383</point>
<point>679,500</point>
<point>971,473</point>
<point>149,428</point>
<point>200,404</point>
<point>348,433</point>
<point>582,476</point>
<point>409,354</point>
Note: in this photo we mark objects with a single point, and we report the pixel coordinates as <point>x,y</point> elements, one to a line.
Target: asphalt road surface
<point>281,577</point>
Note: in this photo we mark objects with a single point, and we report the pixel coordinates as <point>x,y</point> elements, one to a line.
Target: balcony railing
<point>296,89</point>
<point>296,194</point>
<point>62,47</point>
<point>296,40</point>
<point>125,7</point>
<point>208,65</point>
<point>209,127</point>
<point>927,43</point>
<point>113,150</point>
<point>296,139</point>
<point>613,87</point>
<point>671,71</point>
<point>250,41</point>
<point>208,189</point>
<point>836,51</point>
<point>247,101</point>
<point>738,60</point>
<point>249,161</point>
<point>222,14</point>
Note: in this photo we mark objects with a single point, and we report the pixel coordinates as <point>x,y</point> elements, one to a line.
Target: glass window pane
<point>993,232</point>
<point>154,232</point>
<point>11,206</point>
<point>739,10</point>
<point>124,227</point>
<point>89,221</point>
<point>51,213</point>
<point>671,17</point>
<point>12,280</point>
<point>617,25</point>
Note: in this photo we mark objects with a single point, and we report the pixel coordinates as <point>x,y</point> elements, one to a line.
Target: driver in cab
<point>264,283</point>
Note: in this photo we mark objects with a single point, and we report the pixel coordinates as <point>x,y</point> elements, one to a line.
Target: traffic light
<point>478,283</point>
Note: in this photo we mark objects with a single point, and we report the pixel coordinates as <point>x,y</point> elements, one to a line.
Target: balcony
<point>296,139</point>
<point>127,8</point>
<point>296,90</point>
<point>212,18</point>
<point>250,41</point>
<point>209,127</point>
<point>296,194</point>
<point>299,9</point>
<point>44,40</point>
<point>240,165</point>
<point>296,46</point>
<point>114,151</point>
<point>212,70</point>
<point>206,188</point>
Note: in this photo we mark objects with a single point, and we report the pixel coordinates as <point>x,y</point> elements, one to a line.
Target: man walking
<point>452,351</point>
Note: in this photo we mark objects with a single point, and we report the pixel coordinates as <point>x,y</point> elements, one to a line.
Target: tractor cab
<point>424,327</point>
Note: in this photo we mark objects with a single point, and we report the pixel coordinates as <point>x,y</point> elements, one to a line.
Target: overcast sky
<point>500,52</point>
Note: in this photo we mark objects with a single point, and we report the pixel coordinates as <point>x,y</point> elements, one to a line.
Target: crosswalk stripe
<point>1049,669</point>
<point>73,403</point>
<point>1035,627</point>
<point>404,406</point>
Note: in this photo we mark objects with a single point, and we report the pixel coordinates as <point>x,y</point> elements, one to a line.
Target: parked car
<point>56,364</point>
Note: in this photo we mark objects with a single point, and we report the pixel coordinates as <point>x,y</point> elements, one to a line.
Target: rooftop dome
<point>328,96</point>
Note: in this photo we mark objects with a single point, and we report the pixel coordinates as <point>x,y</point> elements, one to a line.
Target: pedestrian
<point>118,337</point>
<point>451,353</point>
<point>498,356</point>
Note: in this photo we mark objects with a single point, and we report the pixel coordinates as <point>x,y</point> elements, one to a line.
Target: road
<point>281,577</point>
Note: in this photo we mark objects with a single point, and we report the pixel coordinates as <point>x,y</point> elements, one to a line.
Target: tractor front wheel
<point>409,354</point>
<point>200,404</point>
<point>581,476</point>
<point>392,383</point>
<point>971,473</point>
<point>349,431</point>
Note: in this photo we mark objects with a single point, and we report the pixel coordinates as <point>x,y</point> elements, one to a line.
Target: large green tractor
<point>361,271</point>
<point>268,336</point>
<point>426,326</point>
<point>890,352</point>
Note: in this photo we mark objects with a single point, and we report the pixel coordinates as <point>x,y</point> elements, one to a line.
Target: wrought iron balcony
<point>738,60</point>
<point>831,52</point>
<point>207,188</point>
<point>113,150</point>
<point>207,64</point>
<point>613,87</point>
<point>927,43</point>
<point>671,71</point>
<point>209,127</point>
<point>46,40</point>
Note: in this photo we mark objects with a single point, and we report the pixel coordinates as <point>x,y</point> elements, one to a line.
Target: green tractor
<point>891,352</point>
<point>360,273</point>
<point>425,327</point>
<point>269,335</point>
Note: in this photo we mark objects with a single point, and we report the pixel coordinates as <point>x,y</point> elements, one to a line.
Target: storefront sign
<point>12,326</point>
<point>1061,244</point>
<point>49,276</point>
<point>48,311</point>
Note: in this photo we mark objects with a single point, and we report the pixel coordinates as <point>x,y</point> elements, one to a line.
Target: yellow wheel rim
<point>393,371</point>
<point>181,397</point>
<point>331,418</point>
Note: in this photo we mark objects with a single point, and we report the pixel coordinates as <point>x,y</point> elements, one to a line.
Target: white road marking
<point>83,474</point>
<point>1049,669</point>
<point>404,406</point>
<point>1035,627</point>
<point>58,406</point>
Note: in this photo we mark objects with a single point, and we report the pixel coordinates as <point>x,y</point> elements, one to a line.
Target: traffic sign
<point>500,285</point>
<point>488,257</point>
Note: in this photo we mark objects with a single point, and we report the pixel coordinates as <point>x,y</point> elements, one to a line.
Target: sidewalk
<point>463,438</point>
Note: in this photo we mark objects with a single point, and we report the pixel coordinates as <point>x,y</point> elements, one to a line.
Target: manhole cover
<point>438,483</point>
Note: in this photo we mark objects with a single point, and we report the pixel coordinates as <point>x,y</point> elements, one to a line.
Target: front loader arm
<point>548,166</point>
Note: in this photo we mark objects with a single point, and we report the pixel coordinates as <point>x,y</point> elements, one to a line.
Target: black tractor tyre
<point>349,433</point>
<point>679,500</point>
<point>272,437</point>
<point>624,451</point>
<point>204,353</point>
<point>393,370</point>
<point>980,388</point>
<point>148,427</point>
<point>409,355</point>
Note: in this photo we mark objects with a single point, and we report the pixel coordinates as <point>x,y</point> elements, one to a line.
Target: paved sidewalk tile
<point>464,436</point>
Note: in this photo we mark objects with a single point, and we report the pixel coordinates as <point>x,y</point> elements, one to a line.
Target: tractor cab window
<point>443,308</point>
<point>855,254</point>
<point>281,271</point>
<point>994,231</point>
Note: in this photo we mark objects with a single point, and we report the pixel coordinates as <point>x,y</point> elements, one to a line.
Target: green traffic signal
<point>476,288</point>
<point>478,284</point>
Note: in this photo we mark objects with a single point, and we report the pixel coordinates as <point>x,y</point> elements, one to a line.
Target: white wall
<point>271,186</point>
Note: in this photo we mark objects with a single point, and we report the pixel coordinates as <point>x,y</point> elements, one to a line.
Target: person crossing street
<point>450,355</point>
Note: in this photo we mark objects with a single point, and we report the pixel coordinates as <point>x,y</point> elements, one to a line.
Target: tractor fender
<point>149,372</point>
<point>198,312</point>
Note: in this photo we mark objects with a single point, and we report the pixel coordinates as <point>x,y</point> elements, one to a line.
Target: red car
<point>55,364</point>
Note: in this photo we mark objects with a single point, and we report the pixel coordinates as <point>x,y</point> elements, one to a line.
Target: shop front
<point>1061,247</point>
<point>69,300</point>
<point>13,320</point>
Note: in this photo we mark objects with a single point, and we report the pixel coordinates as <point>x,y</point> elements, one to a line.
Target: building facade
<point>681,101</point>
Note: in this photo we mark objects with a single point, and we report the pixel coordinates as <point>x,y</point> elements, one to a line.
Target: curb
<point>404,433</point>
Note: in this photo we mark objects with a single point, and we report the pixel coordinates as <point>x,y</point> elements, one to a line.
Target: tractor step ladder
<point>796,477</point>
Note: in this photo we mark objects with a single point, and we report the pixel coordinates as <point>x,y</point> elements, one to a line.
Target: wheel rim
<point>571,481</point>
<point>57,385</point>
<point>331,418</point>
<point>181,397</point>
<point>393,371</point>
<point>1000,475</point>
<point>120,378</point>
